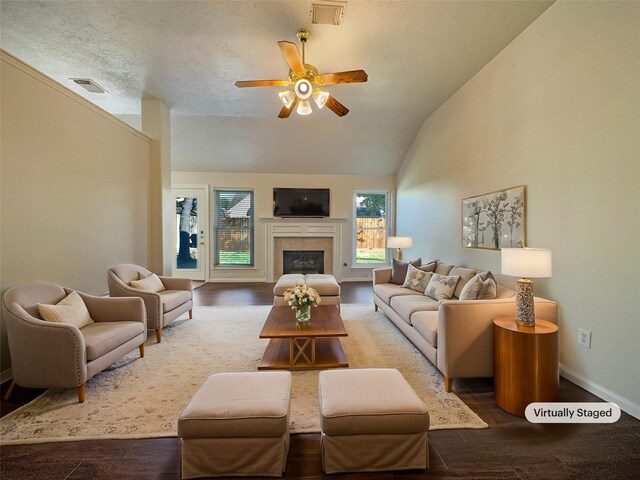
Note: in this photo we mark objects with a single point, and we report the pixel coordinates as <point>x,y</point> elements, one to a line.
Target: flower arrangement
<point>301,298</point>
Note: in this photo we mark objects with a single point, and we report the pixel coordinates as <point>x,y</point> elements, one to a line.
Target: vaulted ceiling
<point>190,53</point>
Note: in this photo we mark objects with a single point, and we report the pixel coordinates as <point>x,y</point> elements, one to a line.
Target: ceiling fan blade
<point>285,112</point>
<point>262,83</point>
<point>353,76</point>
<point>291,55</point>
<point>336,107</point>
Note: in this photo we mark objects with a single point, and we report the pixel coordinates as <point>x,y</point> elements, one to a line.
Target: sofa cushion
<point>369,401</point>
<point>173,298</point>
<point>103,337</point>
<point>406,305</point>
<point>416,279</point>
<point>399,269</point>
<point>289,280</point>
<point>323,284</point>
<point>386,291</point>
<point>441,287</point>
<point>426,323</point>
<point>465,275</point>
<point>505,292</point>
<point>443,268</point>
<point>232,405</point>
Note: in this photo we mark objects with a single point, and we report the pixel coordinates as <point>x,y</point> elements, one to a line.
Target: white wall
<point>558,110</point>
<point>342,187</point>
<point>75,187</point>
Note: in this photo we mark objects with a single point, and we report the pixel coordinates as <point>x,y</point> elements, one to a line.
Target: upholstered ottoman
<point>371,420</point>
<point>325,285</point>
<point>236,424</point>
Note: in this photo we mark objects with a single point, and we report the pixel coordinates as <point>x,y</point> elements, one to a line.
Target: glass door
<point>190,232</point>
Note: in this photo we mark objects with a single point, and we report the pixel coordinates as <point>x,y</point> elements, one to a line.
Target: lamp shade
<point>399,242</point>
<point>304,107</point>
<point>526,262</point>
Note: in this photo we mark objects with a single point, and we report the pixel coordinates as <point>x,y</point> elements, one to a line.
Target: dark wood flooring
<point>511,448</point>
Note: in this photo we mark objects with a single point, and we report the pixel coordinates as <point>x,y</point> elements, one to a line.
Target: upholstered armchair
<point>162,307</point>
<point>49,354</point>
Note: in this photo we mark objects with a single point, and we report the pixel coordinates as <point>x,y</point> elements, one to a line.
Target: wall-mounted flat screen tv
<point>301,202</point>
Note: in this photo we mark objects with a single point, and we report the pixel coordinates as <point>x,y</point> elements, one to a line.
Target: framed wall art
<point>494,220</point>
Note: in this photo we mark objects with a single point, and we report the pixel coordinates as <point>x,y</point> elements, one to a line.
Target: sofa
<point>455,335</point>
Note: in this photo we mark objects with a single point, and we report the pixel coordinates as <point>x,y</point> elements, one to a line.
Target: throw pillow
<point>70,310</point>
<point>399,269</point>
<point>471,290</point>
<point>150,284</point>
<point>429,267</point>
<point>489,290</point>
<point>487,274</point>
<point>417,279</point>
<point>441,287</point>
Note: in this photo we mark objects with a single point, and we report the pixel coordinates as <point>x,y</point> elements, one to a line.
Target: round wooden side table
<point>525,364</point>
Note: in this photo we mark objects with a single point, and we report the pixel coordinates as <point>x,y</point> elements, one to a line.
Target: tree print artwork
<point>494,220</point>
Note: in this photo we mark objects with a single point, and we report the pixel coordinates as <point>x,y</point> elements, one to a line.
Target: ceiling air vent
<point>88,85</point>
<point>327,12</point>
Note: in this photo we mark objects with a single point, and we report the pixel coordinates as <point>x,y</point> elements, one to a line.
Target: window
<point>370,227</point>
<point>233,228</point>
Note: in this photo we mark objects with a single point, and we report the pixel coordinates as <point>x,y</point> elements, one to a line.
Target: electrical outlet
<point>584,338</point>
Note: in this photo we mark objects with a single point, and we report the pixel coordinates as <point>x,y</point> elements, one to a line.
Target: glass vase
<point>303,313</point>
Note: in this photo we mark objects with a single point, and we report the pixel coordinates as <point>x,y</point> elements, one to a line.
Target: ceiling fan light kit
<point>306,80</point>
<point>320,97</point>
<point>303,88</point>
<point>287,98</point>
<point>304,107</point>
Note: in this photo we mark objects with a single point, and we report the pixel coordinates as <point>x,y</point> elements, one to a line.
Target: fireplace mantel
<point>305,228</point>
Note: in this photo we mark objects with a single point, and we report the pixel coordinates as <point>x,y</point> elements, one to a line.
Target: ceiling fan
<point>306,82</point>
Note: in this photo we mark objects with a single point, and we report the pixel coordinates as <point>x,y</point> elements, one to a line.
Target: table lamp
<point>398,243</point>
<point>526,263</point>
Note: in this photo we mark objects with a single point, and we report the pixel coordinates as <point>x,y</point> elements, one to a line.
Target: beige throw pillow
<point>489,290</point>
<point>150,284</point>
<point>441,287</point>
<point>70,310</point>
<point>471,290</point>
<point>417,279</point>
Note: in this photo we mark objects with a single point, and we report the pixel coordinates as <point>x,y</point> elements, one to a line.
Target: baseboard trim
<point>231,280</point>
<point>6,375</point>
<point>625,405</point>
<point>359,279</point>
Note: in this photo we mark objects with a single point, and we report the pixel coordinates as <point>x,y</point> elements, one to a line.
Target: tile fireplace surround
<point>294,234</point>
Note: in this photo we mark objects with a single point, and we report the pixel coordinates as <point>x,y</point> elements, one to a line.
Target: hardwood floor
<point>511,448</point>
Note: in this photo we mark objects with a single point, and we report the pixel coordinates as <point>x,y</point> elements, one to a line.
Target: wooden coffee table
<point>300,346</point>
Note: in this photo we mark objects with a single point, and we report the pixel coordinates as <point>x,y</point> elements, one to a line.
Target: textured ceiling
<point>189,54</point>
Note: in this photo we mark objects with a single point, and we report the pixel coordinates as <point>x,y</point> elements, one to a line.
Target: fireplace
<point>303,261</point>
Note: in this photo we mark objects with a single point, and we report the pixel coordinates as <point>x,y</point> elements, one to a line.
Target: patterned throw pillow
<point>417,279</point>
<point>471,289</point>
<point>489,290</point>
<point>441,287</point>
<point>150,284</point>
<point>70,310</point>
<point>399,269</point>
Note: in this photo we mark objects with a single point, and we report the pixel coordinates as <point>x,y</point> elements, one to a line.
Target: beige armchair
<point>47,354</point>
<point>162,307</point>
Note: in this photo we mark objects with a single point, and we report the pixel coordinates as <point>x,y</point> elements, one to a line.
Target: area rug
<point>141,398</point>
